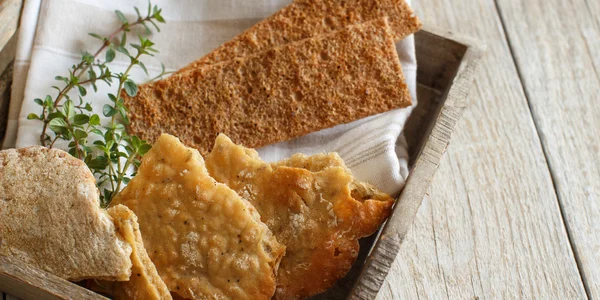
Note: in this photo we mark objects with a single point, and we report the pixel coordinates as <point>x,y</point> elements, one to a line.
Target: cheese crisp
<point>50,217</point>
<point>144,283</point>
<point>312,205</point>
<point>205,241</point>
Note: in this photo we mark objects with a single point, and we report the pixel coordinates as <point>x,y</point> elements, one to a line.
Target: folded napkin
<point>53,34</point>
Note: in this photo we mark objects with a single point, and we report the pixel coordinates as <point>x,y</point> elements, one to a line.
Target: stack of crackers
<point>232,226</point>
<point>205,217</point>
<point>312,65</point>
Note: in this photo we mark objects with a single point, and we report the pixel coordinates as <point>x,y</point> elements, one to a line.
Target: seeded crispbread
<point>50,217</point>
<point>144,283</point>
<point>279,94</point>
<point>313,206</point>
<point>306,18</point>
<point>204,239</point>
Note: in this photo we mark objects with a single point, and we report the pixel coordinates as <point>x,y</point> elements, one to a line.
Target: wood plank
<point>7,55</point>
<point>10,10</point>
<point>8,42</point>
<point>5,82</point>
<point>445,77</point>
<point>491,226</point>
<point>26,282</point>
<point>557,47</point>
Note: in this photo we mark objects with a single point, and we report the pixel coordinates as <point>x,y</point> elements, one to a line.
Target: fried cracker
<point>313,206</point>
<point>50,217</point>
<point>276,95</point>
<point>313,163</point>
<point>205,241</point>
<point>144,283</point>
<point>306,18</point>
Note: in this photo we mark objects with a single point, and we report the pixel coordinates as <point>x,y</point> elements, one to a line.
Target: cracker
<point>276,95</point>
<point>50,217</point>
<point>306,18</point>
<point>313,206</point>
<point>144,283</point>
<point>205,241</point>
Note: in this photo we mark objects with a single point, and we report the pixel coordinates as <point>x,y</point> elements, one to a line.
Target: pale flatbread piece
<point>205,241</point>
<point>50,217</point>
<point>144,283</point>
<point>313,206</point>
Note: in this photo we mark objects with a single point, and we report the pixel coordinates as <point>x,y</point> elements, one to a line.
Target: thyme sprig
<point>67,118</point>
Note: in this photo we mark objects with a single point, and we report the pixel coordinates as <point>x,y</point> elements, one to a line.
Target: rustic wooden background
<point>514,210</point>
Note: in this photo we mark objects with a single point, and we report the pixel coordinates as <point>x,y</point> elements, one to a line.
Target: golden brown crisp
<point>205,241</point>
<point>144,283</point>
<point>312,205</point>
<point>306,18</point>
<point>50,217</point>
<point>277,95</point>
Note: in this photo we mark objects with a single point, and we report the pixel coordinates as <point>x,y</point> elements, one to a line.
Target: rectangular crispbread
<point>306,18</point>
<point>279,94</point>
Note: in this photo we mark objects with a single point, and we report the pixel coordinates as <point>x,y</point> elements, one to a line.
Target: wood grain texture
<point>556,45</point>
<point>447,68</point>
<point>7,53</point>
<point>491,226</point>
<point>10,10</point>
<point>26,282</point>
<point>5,82</point>
<point>9,16</point>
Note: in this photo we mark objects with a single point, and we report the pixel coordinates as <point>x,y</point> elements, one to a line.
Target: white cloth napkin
<point>53,34</point>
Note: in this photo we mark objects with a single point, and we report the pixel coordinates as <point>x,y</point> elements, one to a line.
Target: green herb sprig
<point>113,151</point>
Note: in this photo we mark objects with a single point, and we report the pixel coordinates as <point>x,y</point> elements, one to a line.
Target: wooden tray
<point>446,65</point>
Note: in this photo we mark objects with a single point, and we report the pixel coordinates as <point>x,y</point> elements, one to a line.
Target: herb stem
<point>90,80</point>
<point>122,80</point>
<point>111,171</point>
<point>77,150</point>
<point>121,171</point>
<point>54,140</point>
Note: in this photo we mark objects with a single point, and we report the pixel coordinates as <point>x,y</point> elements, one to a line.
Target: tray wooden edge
<point>387,245</point>
<point>24,281</point>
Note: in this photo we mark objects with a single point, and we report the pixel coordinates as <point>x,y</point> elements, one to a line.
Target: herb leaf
<point>121,16</point>
<point>110,55</point>
<point>131,88</point>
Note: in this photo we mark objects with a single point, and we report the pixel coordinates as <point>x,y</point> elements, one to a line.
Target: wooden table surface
<point>514,210</point>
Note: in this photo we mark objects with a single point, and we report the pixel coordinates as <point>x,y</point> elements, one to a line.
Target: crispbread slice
<point>204,239</point>
<point>313,206</point>
<point>306,18</point>
<point>50,217</point>
<point>144,283</point>
<point>277,95</point>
